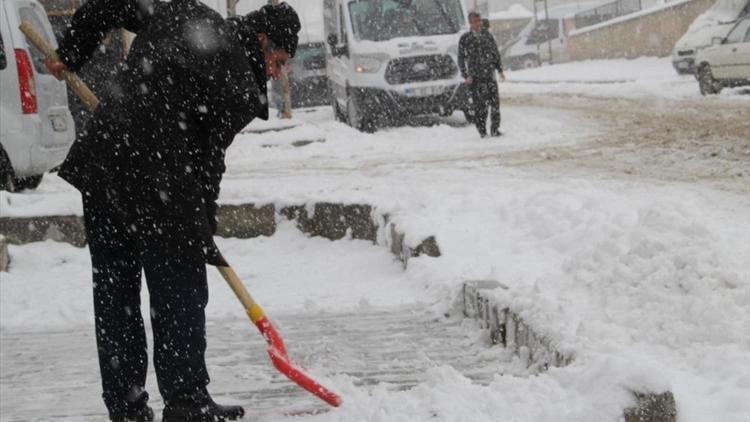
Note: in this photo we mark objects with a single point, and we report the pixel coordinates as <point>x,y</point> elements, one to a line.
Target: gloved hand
<point>55,67</point>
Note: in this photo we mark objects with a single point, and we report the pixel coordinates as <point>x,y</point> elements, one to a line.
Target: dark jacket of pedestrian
<point>478,56</point>
<point>155,146</point>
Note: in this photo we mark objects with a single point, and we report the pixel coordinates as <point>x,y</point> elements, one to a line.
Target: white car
<point>36,127</point>
<point>714,22</point>
<point>544,40</point>
<point>726,63</point>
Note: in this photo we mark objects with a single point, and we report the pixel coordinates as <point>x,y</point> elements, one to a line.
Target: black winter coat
<point>155,146</point>
<point>478,56</point>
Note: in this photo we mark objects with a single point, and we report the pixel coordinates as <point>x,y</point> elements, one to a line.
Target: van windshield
<point>380,20</point>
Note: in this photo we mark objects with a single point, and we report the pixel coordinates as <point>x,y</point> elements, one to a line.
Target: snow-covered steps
<point>538,353</point>
<point>508,329</point>
<point>391,347</point>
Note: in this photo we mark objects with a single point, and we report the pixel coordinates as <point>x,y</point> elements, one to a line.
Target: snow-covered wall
<point>650,32</point>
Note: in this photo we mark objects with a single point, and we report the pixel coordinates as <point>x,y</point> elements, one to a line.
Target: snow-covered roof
<point>568,10</point>
<point>516,11</point>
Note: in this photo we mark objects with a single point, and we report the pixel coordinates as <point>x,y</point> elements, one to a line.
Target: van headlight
<point>368,64</point>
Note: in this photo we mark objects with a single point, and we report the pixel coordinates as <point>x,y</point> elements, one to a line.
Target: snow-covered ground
<point>643,274</point>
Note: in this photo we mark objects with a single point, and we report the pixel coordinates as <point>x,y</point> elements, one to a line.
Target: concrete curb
<point>332,221</point>
<point>68,229</point>
<point>509,330</point>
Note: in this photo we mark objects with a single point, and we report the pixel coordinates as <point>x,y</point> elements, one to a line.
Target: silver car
<point>36,127</point>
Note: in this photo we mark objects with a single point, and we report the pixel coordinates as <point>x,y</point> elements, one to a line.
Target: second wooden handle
<point>75,83</point>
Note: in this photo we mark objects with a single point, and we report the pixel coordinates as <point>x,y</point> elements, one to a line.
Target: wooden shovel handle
<point>254,311</point>
<point>75,83</point>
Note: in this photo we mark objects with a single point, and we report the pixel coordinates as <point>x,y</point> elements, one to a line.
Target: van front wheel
<point>357,119</point>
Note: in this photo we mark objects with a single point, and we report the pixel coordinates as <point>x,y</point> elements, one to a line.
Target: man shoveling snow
<point>149,167</point>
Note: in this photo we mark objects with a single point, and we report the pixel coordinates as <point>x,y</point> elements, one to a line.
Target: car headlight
<point>368,64</point>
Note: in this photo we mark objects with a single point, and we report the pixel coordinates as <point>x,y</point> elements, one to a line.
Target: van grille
<point>420,69</point>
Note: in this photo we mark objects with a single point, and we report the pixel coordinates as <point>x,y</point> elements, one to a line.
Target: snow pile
<point>560,396</point>
<point>653,285</point>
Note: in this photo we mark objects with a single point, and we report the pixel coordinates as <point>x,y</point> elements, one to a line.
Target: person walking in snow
<point>478,59</point>
<point>148,168</point>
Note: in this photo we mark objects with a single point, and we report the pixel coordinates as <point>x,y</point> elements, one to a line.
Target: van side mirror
<point>717,41</point>
<point>336,49</point>
<point>333,40</point>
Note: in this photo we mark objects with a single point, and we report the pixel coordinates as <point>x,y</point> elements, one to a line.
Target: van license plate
<point>424,91</point>
<point>58,123</point>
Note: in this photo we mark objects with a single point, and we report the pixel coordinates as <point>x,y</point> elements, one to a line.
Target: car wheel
<point>530,62</point>
<point>356,118</point>
<point>31,182</point>
<point>7,180</point>
<point>708,85</point>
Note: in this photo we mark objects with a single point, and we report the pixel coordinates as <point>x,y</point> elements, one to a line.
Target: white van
<point>549,33</point>
<point>713,23</point>
<point>388,59</point>
<point>36,128</point>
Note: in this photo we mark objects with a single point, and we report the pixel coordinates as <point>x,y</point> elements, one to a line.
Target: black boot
<point>199,407</point>
<point>142,414</point>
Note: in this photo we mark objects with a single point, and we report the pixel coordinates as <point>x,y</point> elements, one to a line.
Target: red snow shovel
<point>276,348</point>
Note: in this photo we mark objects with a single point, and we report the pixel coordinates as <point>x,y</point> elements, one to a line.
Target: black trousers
<point>178,294</point>
<point>484,95</point>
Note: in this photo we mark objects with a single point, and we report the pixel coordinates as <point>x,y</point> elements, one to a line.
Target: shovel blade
<point>295,373</point>
<point>280,359</point>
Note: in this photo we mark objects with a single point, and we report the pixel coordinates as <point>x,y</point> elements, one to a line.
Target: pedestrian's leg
<point>178,292</point>
<point>480,108</point>
<point>120,336</point>
<point>494,100</point>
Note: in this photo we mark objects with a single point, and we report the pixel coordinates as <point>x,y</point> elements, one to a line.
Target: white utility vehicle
<point>726,63</point>
<point>714,22</point>
<point>390,59</point>
<point>36,128</point>
<point>547,34</point>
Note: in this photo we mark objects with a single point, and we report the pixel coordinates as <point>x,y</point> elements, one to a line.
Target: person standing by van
<point>478,58</point>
